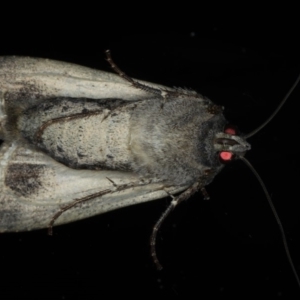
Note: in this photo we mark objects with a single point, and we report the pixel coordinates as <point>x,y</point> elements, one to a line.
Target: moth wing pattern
<point>33,185</point>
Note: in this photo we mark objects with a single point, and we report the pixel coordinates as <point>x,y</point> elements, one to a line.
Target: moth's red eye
<point>225,156</point>
<point>230,130</point>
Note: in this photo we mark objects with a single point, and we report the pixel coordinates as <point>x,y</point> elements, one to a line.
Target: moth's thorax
<point>173,139</point>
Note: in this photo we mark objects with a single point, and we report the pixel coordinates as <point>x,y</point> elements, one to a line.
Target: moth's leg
<point>40,131</point>
<point>117,188</point>
<point>175,201</point>
<point>164,93</point>
<point>123,187</point>
<point>205,193</point>
<point>160,92</point>
<point>135,83</point>
<point>74,203</point>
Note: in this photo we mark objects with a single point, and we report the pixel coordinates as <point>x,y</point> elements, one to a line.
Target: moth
<point>80,142</point>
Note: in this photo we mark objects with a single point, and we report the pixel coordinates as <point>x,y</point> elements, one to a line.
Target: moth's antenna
<point>286,248</point>
<point>275,112</point>
<point>285,244</point>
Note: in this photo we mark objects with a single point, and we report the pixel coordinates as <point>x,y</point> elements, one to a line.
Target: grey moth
<point>80,142</point>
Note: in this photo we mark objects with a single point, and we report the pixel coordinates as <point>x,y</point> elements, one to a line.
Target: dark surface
<point>227,247</point>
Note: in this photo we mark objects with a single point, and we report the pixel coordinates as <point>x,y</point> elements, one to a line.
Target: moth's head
<point>230,145</point>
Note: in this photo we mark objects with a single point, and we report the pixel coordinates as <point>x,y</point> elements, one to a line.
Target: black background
<point>227,247</point>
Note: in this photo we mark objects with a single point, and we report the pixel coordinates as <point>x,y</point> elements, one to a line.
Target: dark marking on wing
<point>25,179</point>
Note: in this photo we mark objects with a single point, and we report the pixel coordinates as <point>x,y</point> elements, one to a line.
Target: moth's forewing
<point>34,79</point>
<point>34,187</point>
